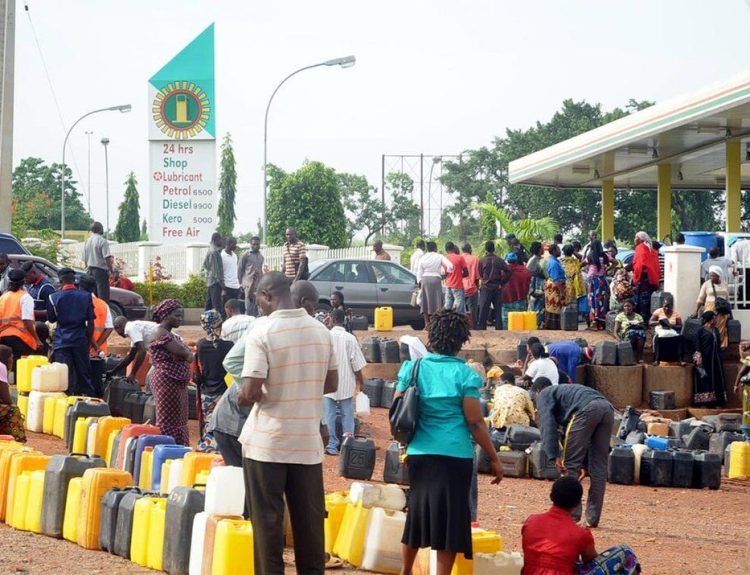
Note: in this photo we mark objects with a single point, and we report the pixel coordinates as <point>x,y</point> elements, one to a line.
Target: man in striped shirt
<point>290,363</point>
<point>295,257</point>
<point>350,361</point>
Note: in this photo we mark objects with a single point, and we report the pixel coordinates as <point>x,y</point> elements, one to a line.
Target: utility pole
<point>88,186</point>
<point>7,66</point>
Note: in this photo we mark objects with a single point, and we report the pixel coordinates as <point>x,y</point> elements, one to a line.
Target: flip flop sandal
<point>333,562</point>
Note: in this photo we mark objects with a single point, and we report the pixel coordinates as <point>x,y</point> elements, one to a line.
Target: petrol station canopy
<point>697,141</point>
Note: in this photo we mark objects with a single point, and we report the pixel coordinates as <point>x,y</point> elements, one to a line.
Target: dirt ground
<point>673,531</point>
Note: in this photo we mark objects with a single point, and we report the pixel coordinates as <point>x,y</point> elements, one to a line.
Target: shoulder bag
<point>721,305</point>
<point>404,413</point>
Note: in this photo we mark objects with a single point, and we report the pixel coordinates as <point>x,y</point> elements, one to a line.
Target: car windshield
<point>312,266</point>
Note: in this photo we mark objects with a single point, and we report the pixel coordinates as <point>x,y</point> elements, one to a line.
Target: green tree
<point>527,230</point>
<point>487,222</point>
<point>403,217</point>
<point>310,201</point>
<point>227,188</point>
<point>365,211</point>
<point>127,229</point>
<point>37,184</point>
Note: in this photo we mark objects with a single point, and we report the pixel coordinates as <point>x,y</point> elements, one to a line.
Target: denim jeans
<point>454,298</point>
<point>333,408</point>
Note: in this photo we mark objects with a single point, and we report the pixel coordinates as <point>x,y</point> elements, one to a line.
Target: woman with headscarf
<point>597,261</point>
<point>714,296</point>
<point>708,376</point>
<point>554,290</point>
<point>209,373</point>
<point>536,287</point>
<point>171,360</point>
<point>646,272</point>
<point>516,290</point>
<point>667,324</point>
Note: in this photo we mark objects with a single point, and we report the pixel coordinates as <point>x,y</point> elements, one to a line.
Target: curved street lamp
<point>123,108</point>
<point>345,62</point>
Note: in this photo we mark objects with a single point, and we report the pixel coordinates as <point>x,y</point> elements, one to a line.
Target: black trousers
<point>102,282</point>
<point>266,484</point>
<point>214,298</point>
<point>490,296</point>
<point>17,346</point>
<point>229,447</point>
<point>79,369</point>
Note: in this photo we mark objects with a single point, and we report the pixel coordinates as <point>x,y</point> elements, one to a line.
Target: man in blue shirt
<point>38,287</point>
<point>73,310</point>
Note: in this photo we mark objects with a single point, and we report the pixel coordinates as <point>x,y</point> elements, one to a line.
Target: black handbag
<point>404,412</point>
<point>721,305</point>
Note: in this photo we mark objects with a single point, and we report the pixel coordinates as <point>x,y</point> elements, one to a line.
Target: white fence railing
<point>180,261</point>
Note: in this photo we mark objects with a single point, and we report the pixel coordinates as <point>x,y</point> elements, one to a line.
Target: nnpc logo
<point>181,110</point>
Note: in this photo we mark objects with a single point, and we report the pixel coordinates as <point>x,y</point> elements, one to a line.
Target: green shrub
<point>190,294</point>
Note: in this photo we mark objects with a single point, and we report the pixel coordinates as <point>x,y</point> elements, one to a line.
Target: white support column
<point>682,270</point>
<point>194,254</point>
<point>145,250</point>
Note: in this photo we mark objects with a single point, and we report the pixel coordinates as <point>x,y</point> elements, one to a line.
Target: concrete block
<point>730,375</point>
<point>669,378</point>
<point>502,355</point>
<point>621,385</point>
<point>386,371</point>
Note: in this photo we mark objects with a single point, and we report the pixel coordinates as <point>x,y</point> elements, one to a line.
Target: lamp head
<point>123,108</point>
<point>345,62</point>
<point>105,140</point>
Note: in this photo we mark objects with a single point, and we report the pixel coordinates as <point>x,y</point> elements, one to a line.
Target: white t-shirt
<point>233,328</point>
<point>543,367</point>
<point>140,331</point>
<point>27,307</point>
<point>414,261</point>
<point>230,262</point>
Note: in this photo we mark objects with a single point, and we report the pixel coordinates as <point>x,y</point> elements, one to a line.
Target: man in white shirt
<point>230,264</point>
<point>418,253</point>
<point>350,361</point>
<point>714,259</point>
<point>290,363</point>
<point>139,332</point>
<point>237,323</point>
<point>541,366</point>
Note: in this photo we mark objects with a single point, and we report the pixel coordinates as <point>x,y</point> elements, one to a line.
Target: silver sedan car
<point>367,284</point>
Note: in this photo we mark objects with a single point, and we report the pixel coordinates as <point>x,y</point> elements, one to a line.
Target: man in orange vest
<point>17,326</point>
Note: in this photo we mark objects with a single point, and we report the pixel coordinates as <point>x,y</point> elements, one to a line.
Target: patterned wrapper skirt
<point>11,422</point>
<point>171,398</point>
<point>207,442</point>
<point>598,298</point>
<point>553,305</point>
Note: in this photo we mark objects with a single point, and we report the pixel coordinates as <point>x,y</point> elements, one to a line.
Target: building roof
<point>688,132</point>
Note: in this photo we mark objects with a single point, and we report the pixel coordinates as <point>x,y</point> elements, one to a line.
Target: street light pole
<point>105,143</point>
<point>123,108</point>
<point>345,62</point>
<point>88,186</point>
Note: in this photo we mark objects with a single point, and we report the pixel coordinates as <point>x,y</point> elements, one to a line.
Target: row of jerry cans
<point>524,320</point>
<point>134,527</point>
<point>483,542</point>
<point>630,464</point>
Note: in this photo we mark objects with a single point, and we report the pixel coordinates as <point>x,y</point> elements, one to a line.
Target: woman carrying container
<point>714,296</point>
<point>554,290</point>
<point>708,376</point>
<point>171,360</point>
<point>441,454</point>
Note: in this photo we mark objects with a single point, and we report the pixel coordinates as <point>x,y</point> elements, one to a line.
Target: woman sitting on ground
<point>667,324</point>
<point>553,544</point>
<point>11,419</point>
<point>441,454</point>
<point>337,302</point>
<point>629,326</point>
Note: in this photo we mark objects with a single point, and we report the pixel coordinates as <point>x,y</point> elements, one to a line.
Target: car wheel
<point>116,310</point>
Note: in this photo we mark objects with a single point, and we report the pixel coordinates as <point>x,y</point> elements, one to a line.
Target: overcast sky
<point>432,77</point>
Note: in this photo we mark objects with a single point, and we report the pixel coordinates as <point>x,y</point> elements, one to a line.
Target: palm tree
<point>526,230</point>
